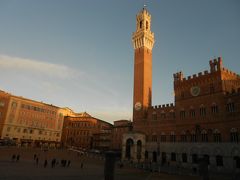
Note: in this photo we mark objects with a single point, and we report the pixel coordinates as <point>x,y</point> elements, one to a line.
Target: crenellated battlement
<point>215,66</point>
<point>163,106</point>
<point>178,77</point>
<point>230,72</point>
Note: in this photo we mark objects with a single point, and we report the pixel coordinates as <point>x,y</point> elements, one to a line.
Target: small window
<point>219,160</point>
<point>184,157</point>
<point>14,104</point>
<point>194,158</point>
<point>147,25</point>
<point>8,129</point>
<point>163,115</point>
<point>154,116</point>
<point>2,104</point>
<point>173,156</point>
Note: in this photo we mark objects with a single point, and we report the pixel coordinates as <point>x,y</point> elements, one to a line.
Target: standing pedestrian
<point>18,157</point>
<point>68,164</point>
<point>53,162</point>
<point>37,161</point>
<point>13,157</point>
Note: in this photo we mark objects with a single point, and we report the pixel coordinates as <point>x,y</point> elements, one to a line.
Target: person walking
<point>45,163</point>
<point>34,157</point>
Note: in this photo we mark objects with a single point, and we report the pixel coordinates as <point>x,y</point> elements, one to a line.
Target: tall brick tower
<point>143,41</point>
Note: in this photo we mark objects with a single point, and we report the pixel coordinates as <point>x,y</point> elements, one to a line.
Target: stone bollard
<point>109,165</point>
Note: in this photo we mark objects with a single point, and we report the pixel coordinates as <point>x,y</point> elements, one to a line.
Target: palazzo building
<point>86,132</point>
<point>30,122</point>
<point>203,121</point>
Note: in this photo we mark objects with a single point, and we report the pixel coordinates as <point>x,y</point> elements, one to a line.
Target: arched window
<point>147,25</point>
<point>154,116</point>
<point>230,106</point>
<point>141,23</point>
<point>234,135</point>
<point>139,149</point>
<point>202,110</point>
<point>163,114</point>
<point>192,112</point>
<point>193,136</point>
<point>204,136</point>
<point>154,138</point>
<point>172,137</point>
<point>163,137</point>
<point>214,108</point>
<point>172,113</point>
<point>217,136</point>
<point>182,113</point>
<point>183,136</point>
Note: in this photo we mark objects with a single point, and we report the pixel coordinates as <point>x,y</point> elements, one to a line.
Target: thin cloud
<point>35,66</point>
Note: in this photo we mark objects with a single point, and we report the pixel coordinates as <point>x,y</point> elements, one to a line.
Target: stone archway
<point>129,148</point>
<point>146,155</point>
<point>139,150</point>
<point>164,158</point>
<point>154,156</point>
<point>133,146</point>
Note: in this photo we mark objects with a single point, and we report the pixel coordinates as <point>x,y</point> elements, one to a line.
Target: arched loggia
<point>129,146</point>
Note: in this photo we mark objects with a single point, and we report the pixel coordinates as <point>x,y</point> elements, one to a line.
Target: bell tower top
<point>143,37</point>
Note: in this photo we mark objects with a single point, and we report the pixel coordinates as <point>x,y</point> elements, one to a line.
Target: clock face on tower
<point>138,106</point>
<point>195,90</point>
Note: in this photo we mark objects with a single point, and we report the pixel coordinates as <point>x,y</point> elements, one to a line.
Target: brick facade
<point>79,131</point>
<point>203,121</point>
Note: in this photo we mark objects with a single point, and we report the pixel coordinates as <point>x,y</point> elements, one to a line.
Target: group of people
<point>54,162</point>
<point>15,158</point>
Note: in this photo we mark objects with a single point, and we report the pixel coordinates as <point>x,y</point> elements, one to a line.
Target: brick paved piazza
<point>93,167</point>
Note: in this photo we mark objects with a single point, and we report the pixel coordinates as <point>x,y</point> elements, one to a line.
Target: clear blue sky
<point>78,53</point>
